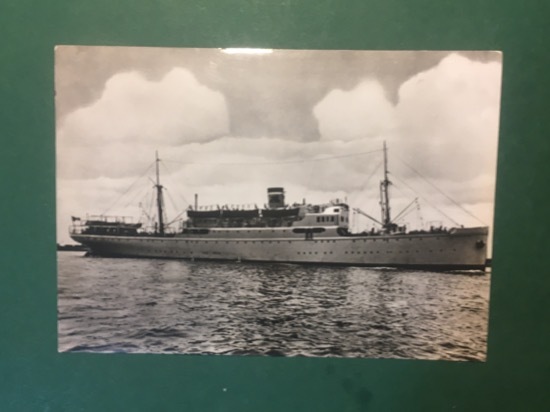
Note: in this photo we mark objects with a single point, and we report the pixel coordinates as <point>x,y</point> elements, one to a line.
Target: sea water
<point>233,308</point>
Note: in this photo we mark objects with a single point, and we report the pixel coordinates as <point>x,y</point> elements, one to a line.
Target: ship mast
<point>384,193</point>
<point>158,186</point>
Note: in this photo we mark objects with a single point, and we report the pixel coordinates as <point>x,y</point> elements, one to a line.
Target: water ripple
<point>169,306</point>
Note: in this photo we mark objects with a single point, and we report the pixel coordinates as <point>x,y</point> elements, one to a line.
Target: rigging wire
<point>367,181</point>
<point>151,205</point>
<point>143,192</point>
<point>144,212</point>
<point>406,195</point>
<point>419,212</point>
<point>146,204</point>
<point>173,184</point>
<point>403,213</point>
<point>441,192</point>
<point>424,199</point>
<point>361,193</point>
<point>403,216</point>
<point>310,175</point>
<point>280,161</point>
<point>128,189</point>
<point>171,199</point>
<point>176,218</point>
<point>185,201</point>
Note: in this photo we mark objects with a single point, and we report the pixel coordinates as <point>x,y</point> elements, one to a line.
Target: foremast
<point>158,186</point>
<point>384,194</point>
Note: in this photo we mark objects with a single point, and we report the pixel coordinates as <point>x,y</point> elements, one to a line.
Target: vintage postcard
<point>275,202</point>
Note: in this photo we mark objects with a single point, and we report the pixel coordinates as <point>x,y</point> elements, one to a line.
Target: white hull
<point>456,249</point>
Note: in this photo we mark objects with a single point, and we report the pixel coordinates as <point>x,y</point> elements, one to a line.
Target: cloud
<point>175,109</point>
<point>362,112</point>
<point>445,120</point>
<point>448,118</point>
<point>132,110</point>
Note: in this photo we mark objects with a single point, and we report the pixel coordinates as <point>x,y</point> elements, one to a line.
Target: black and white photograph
<point>265,202</point>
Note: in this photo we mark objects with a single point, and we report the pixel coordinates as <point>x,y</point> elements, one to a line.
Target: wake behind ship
<point>292,233</point>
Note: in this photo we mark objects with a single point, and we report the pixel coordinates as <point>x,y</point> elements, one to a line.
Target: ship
<point>298,233</point>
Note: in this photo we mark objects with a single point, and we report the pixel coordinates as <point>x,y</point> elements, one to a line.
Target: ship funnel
<point>275,197</point>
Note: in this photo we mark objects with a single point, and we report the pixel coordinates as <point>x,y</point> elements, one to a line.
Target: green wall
<point>34,377</point>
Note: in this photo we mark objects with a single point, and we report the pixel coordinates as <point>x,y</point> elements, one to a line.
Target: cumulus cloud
<point>362,112</point>
<point>448,118</point>
<point>445,121</point>
<point>133,109</point>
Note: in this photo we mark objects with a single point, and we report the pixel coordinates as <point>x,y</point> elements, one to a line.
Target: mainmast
<point>384,195</point>
<point>158,186</point>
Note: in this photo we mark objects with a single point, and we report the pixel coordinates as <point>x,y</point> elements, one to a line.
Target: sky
<point>228,124</point>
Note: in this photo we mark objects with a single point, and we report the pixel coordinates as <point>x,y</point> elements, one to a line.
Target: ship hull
<point>460,249</point>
